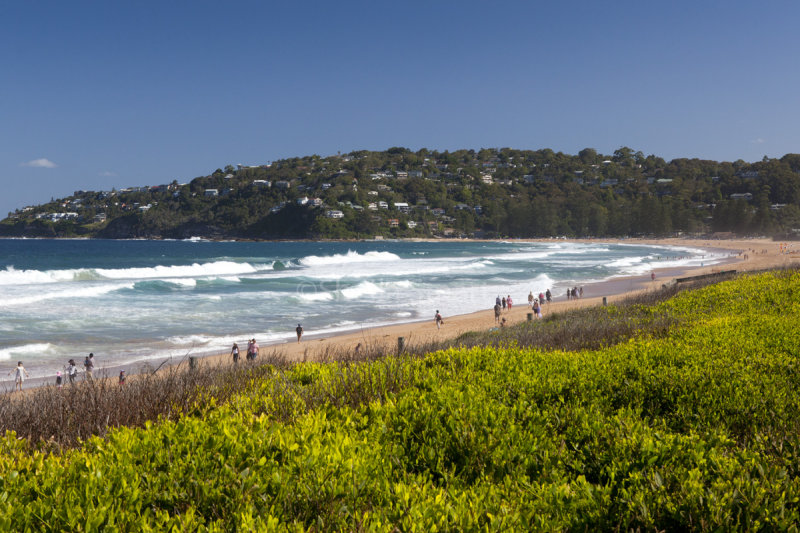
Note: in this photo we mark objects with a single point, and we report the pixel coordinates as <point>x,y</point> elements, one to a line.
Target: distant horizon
<point>151,92</point>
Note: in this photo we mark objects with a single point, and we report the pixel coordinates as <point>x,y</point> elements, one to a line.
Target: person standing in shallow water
<point>299,330</point>
<point>19,376</point>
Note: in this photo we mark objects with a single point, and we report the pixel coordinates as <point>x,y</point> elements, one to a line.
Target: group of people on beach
<point>70,371</point>
<point>535,302</point>
<point>250,355</point>
<point>253,348</point>
<point>575,292</point>
<point>501,305</point>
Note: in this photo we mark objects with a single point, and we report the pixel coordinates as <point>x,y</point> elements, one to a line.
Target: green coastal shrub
<point>694,428</point>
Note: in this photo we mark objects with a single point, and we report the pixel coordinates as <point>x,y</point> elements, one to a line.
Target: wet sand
<point>745,255</point>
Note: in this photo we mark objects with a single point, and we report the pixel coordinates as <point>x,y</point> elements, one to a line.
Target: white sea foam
<point>191,340</point>
<point>625,262</point>
<point>11,276</point>
<point>17,352</point>
<point>315,296</point>
<point>184,282</point>
<point>69,293</point>
<point>350,257</point>
<point>364,288</point>
<point>402,284</point>
<point>217,268</point>
<point>399,268</point>
<point>519,256</point>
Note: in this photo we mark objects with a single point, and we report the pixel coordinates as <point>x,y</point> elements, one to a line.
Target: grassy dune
<point>673,414</point>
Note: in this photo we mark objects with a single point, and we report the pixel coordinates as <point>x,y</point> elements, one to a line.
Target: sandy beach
<point>744,255</point>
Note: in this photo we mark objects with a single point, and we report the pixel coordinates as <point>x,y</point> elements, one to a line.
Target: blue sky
<point>96,95</point>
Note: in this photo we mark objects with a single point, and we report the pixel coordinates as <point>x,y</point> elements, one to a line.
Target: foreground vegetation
<point>683,415</point>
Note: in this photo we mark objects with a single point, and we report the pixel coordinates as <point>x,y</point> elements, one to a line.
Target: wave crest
<point>350,257</point>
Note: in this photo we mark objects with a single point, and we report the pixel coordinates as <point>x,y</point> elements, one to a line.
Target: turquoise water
<point>130,301</point>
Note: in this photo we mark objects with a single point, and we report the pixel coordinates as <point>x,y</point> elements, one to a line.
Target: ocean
<point>133,301</point>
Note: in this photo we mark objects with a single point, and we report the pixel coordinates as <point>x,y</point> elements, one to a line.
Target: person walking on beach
<point>548,295</point>
<point>19,376</point>
<point>497,309</point>
<point>508,300</point>
<point>88,365</point>
<point>121,378</point>
<point>299,330</point>
<point>235,353</point>
<point>537,309</point>
<point>438,320</point>
<point>504,303</point>
<point>59,379</point>
<point>530,299</point>
<point>72,371</point>
<point>252,350</point>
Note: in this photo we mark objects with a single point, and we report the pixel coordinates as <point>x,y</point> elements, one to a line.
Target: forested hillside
<point>400,193</point>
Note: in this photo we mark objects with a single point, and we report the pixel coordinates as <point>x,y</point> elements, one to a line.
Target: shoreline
<point>615,289</point>
<point>417,332</point>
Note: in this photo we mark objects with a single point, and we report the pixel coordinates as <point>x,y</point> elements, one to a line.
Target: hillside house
<point>742,196</point>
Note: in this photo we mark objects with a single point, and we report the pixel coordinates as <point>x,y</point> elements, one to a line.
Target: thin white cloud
<point>39,163</point>
<point>107,174</point>
<point>758,141</point>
